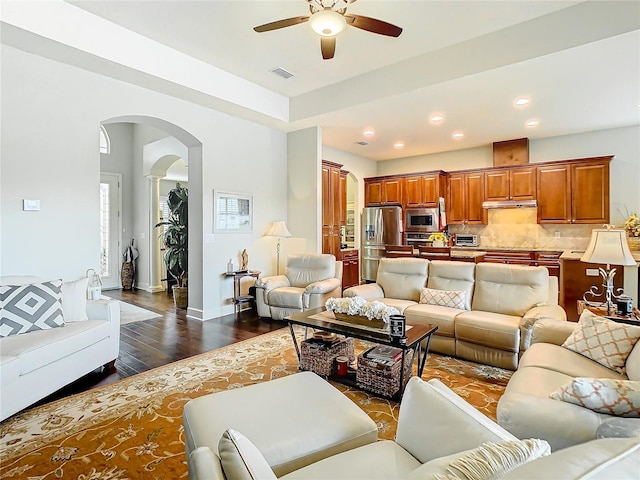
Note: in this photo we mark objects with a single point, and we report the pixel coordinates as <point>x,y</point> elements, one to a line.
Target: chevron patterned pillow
<point>26,308</point>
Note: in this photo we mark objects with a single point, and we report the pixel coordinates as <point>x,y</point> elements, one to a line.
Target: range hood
<point>510,204</point>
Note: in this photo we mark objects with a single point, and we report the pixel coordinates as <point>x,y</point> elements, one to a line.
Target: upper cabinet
<point>333,200</point>
<point>466,194</point>
<point>574,192</point>
<point>568,191</point>
<point>424,190</point>
<point>510,184</point>
<point>382,191</point>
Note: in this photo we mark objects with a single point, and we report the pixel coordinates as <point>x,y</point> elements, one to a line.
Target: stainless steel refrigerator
<point>380,226</point>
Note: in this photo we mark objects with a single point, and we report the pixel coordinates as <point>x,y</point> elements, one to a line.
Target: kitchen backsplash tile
<point>517,228</point>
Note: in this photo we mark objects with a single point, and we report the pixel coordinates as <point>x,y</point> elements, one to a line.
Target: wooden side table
<point>239,299</point>
<point>631,319</point>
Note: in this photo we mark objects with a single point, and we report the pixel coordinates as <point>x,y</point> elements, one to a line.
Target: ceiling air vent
<point>282,72</point>
<point>363,143</point>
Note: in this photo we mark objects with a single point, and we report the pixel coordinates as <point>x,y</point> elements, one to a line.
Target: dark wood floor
<point>153,343</point>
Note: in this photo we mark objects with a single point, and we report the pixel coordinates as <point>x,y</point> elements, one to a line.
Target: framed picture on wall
<point>232,212</point>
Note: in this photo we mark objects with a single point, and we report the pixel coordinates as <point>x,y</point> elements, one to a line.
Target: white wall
<point>304,188</point>
<point>50,116</point>
<point>624,143</point>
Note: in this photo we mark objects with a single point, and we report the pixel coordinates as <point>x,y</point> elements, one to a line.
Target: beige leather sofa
<point>435,428</point>
<point>309,280</point>
<point>501,302</point>
<point>526,410</point>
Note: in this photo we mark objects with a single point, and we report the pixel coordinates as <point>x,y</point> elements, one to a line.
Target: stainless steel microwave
<point>422,220</point>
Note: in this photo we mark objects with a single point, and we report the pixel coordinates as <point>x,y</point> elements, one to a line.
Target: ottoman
<point>293,421</point>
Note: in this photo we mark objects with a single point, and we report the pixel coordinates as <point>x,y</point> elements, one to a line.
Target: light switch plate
<point>30,205</point>
<point>592,272</point>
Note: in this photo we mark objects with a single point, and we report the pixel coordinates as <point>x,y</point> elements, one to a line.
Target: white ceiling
<point>579,62</point>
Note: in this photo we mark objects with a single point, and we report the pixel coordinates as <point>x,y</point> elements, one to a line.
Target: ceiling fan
<point>328,18</point>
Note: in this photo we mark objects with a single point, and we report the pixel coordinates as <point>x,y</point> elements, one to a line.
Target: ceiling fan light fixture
<point>327,23</point>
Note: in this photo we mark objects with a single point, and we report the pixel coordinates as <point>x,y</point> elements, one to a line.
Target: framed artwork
<point>232,212</point>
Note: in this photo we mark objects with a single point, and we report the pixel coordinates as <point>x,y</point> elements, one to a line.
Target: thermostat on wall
<point>31,205</point>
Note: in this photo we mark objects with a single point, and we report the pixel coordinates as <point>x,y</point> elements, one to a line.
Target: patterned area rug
<point>133,429</point>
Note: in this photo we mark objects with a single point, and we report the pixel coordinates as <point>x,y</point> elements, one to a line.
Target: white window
<point>105,143</point>
<point>104,229</point>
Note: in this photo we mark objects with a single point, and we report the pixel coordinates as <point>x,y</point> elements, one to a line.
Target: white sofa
<point>502,301</point>
<point>309,280</point>
<point>525,408</point>
<point>435,428</point>
<point>34,365</point>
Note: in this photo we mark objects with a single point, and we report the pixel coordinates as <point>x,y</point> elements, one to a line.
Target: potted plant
<point>175,239</point>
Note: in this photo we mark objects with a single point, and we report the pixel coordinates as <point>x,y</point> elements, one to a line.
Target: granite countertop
<point>467,253</point>
<point>576,254</point>
<point>510,249</point>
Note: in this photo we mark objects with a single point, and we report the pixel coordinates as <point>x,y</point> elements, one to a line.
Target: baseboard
<point>195,314</point>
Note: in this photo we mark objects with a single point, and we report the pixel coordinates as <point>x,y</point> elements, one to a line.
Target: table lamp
<point>278,229</point>
<point>609,246</point>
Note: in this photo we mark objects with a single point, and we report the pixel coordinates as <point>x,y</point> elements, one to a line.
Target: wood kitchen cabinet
<point>332,201</point>
<point>424,190</point>
<point>534,258</point>
<point>383,191</point>
<point>466,194</point>
<point>350,268</point>
<point>574,192</point>
<point>510,184</point>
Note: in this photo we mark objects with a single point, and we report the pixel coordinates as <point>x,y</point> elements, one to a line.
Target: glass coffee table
<point>320,319</point>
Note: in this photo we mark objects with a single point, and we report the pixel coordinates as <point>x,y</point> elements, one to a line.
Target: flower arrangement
<point>374,310</point>
<point>438,237</point>
<point>632,225</point>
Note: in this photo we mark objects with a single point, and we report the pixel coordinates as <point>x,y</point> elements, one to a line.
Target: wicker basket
<point>319,356</point>
<point>360,320</point>
<point>382,379</point>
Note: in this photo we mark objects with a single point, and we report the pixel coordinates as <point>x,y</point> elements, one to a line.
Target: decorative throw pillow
<point>35,306</point>
<point>241,459</point>
<point>444,298</point>
<point>603,395</point>
<point>492,460</point>
<point>74,300</point>
<point>604,341</point>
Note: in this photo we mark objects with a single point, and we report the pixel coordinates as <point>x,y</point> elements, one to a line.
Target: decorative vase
<point>437,243</point>
<point>180,296</point>
<point>126,275</point>
<point>634,243</point>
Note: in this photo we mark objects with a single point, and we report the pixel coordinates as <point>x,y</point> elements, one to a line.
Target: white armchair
<point>309,280</point>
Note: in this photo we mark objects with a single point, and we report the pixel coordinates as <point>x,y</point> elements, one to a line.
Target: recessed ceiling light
<point>436,118</point>
<point>522,101</point>
<point>533,123</point>
<point>398,145</point>
<point>457,135</point>
<point>369,132</point>
<point>363,143</point>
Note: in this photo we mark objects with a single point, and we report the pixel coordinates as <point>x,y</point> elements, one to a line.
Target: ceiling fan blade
<point>328,46</point>
<point>287,22</point>
<point>373,25</point>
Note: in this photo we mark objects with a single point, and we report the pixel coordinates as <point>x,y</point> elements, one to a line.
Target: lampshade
<point>609,246</point>
<point>327,23</point>
<point>278,229</point>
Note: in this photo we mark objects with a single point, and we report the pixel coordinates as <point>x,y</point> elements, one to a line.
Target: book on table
<point>385,354</point>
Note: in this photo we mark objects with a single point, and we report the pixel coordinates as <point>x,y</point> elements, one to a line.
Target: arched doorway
<point>150,166</point>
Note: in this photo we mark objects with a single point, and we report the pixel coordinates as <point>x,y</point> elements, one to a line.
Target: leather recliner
<point>309,280</point>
